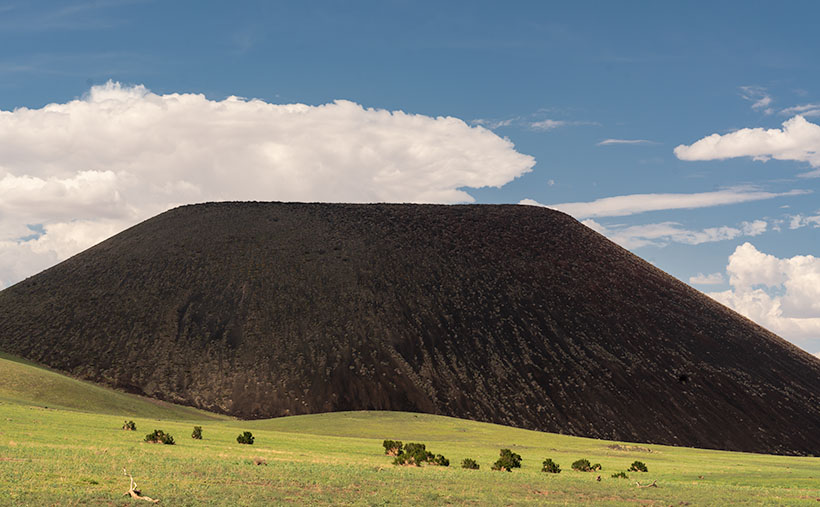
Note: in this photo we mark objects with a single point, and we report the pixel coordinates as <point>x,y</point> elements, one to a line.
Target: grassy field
<point>74,452</point>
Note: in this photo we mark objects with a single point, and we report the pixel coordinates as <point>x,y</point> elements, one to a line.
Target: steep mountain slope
<point>509,314</point>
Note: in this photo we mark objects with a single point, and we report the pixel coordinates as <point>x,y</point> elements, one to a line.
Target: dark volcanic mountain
<point>510,314</point>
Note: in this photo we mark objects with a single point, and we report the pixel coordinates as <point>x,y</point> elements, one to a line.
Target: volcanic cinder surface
<point>510,314</point>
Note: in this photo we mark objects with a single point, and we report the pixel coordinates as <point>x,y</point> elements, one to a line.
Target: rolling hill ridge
<point>509,314</point>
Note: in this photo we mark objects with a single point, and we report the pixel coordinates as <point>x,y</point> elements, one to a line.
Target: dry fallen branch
<point>653,485</point>
<point>133,492</point>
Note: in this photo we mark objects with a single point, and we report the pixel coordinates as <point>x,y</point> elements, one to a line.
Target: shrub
<point>469,464</point>
<point>638,466</point>
<point>245,438</point>
<point>507,461</point>
<point>418,452</point>
<point>129,426</point>
<point>414,454</point>
<point>159,436</point>
<point>582,465</point>
<point>620,475</point>
<point>197,433</point>
<point>597,466</point>
<point>551,467</point>
<point>392,447</point>
<point>441,461</point>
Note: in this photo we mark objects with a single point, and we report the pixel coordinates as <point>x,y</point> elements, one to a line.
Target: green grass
<point>69,456</point>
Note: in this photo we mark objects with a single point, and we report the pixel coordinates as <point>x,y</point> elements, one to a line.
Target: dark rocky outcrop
<point>510,314</point>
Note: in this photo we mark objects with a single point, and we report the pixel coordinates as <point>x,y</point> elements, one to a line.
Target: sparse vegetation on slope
<point>42,467</point>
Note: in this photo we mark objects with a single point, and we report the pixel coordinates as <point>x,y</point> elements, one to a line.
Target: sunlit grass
<point>67,456</point>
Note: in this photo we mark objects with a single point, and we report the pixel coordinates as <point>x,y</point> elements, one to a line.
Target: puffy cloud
<point>798,140</point>
<point>623,205</point>
<point>663,233</point>
<point>782,295</point>
<point>711,279</point>
<point>90,167</point>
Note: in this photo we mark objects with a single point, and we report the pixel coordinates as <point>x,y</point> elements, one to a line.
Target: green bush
<point>392,447</point>
<point>469,464</point>
<point>245,438</point>
<point>414,454</point>
<point>197,433</point>
<point>638,466</point>
<point>441,461</point>
<point>551,467</point>
<point>159,437</point>
<point>582,465</point>
<point>129,426</point>
<point>597,466</point>
<point>507,461</point>
<point>418,452</point>
<point>620,475</point>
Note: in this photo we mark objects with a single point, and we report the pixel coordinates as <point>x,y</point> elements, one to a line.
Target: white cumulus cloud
<point>782,295</point>
<point>798,140</point>
<point>85,169</point>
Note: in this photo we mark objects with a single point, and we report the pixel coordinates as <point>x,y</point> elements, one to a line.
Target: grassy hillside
<point>50,455</point>
<point>25,382</point>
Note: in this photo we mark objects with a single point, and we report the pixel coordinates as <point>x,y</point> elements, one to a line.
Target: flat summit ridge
<point>510,314</point>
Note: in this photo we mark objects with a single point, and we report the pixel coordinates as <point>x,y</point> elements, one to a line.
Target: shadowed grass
<point>25,382</point>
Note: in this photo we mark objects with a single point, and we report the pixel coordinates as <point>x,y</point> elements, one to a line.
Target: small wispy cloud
<point>711,279</point>
<point>758,96</point>
<point>550,124</point>
<point>662,234</point>
<point>632,204</point>
<point>493,124</point>
<point>806,110</point>
<point>798,221</point>
<point>607,142</point>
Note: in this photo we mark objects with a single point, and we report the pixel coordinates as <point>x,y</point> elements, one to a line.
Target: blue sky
<point>598,94</point>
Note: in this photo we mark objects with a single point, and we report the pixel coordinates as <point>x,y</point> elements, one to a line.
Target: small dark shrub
<point>441,461</point>
<point>620,475</point>
<point>507,461</point>
<point>245,438</point>
<point>551,467</point>
<point>582,465</point>
<point>159,437</point>
<point>197,433</point>
<point>129,426</point>
<point>469,464</point>
<point>597,466</point>
<point>414,454</point>
<point>638,466</point>
<point>392,447</point>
